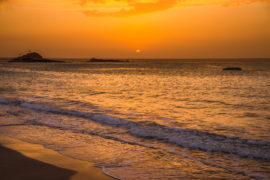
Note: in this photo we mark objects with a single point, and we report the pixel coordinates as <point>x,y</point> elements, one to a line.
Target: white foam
<point>188,138</point>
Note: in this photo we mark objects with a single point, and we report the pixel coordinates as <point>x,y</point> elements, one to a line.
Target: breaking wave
<point>187,138</point>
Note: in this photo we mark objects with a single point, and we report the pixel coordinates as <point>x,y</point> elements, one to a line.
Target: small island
<point>232,69</point>
<point>32,57</point>
<point>107,60</point>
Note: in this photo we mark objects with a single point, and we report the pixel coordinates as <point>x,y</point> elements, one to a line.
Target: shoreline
<point>17,156</point>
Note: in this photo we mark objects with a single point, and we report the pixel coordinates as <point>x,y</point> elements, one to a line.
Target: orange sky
<point>119,28</point>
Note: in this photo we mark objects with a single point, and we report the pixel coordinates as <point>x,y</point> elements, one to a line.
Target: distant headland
<point>32,57</point>
<point>232,69</point>
<point>107,60</point>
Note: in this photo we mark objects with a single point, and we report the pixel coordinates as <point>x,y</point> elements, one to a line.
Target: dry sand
<point>24,161</point>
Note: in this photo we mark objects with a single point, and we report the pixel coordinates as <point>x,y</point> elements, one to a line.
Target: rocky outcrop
<point>232,69</point>
<point>107,60</point>
<point>32,57</point>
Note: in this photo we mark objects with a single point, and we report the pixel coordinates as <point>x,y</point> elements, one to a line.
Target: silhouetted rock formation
<point>232,69</point>
<point>32,57</point>
<point>107,60</point>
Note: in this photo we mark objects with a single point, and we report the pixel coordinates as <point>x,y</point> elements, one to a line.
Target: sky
<point>136,28</point>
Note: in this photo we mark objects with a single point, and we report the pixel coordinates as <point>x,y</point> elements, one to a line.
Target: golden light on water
<point>114,28</point>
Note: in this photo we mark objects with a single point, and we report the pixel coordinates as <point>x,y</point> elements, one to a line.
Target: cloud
<point>239,2</point>
<point>136,7</point>
<point>3,1</point>
<point>126,8</point>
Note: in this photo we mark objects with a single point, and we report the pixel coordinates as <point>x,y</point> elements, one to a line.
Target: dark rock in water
<point>32,57</point>
<point>107,60</point>
<point>232,69</point>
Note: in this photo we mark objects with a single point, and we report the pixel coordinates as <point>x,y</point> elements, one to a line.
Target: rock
<point>32,57</point>
<point>232,69</point>
<point>107,60</point>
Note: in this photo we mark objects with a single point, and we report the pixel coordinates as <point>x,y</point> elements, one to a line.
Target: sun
<point>138,51</point>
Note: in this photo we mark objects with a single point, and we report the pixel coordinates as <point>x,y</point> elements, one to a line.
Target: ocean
<point>145,119</point>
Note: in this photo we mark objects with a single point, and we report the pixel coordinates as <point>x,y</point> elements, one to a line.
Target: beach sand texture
<point>25,161</point>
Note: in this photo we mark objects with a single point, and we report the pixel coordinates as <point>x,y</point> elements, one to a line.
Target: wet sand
<point>24,161</point>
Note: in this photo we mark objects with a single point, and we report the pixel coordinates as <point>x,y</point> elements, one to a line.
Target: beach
<point>135,89</point>
<point>25,161</point>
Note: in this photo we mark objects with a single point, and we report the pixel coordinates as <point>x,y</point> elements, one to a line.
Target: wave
<point>187,138</point>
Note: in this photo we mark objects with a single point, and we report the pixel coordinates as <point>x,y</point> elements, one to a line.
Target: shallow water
<point>145,119</point>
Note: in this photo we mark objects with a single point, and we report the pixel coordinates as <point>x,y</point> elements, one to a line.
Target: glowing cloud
<point>96,8</point>
<point>133,7</point>
<point>3,1</point>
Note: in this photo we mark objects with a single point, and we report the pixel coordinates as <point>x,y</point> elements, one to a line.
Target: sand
<point>24,161</point>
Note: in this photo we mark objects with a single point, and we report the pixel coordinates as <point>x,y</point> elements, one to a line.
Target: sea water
<point>145,119</point>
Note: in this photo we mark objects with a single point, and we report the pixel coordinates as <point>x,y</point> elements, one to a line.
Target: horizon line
<point>163,58</point>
